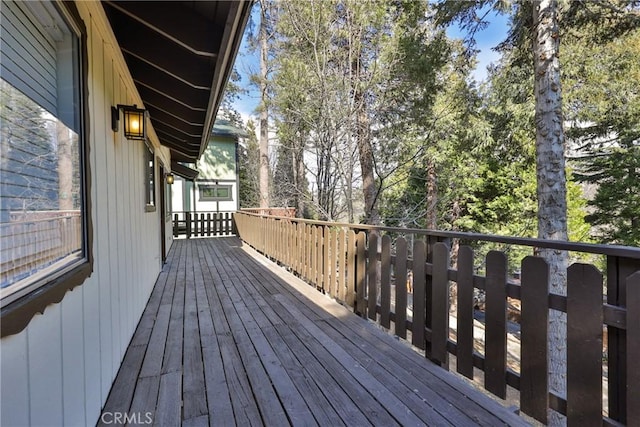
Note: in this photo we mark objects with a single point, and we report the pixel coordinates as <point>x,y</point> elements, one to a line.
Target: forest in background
<point>373,116</point>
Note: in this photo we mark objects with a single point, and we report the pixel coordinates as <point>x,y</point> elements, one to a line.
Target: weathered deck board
<point>236,340</point>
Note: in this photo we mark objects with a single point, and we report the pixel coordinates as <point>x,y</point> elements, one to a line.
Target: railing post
<point>431,242</point>
<point>175,225</point>
<point>234,226</point>
<point>187,217</point>
<point>618,269</point>
<point>633,345</point>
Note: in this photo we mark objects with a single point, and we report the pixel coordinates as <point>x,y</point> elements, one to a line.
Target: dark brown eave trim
<point>244,10</point>
<point>184,171</point>
<point>16,316</point>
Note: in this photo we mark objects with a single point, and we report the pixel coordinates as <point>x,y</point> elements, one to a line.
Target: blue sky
<point>247,62</point>
<point>486,40</point>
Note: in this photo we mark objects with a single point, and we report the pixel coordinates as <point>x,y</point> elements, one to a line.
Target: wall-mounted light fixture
<point>134,121</point>
<point>170,178</point>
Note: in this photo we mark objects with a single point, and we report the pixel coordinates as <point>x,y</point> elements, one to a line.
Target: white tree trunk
<point>65,168</point>
<point>264,112</point>
<point>551,179</point>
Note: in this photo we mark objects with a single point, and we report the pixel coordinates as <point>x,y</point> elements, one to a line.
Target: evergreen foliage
<point>446,153</point>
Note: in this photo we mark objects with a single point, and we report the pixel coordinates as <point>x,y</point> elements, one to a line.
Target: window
<point>43,210</point>
<point>215,193</point>
<point>150,180</point>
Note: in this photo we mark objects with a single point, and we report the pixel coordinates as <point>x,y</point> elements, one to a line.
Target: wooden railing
<point>202,224</point>
<point>34,240</point>
<point>414,291</point>
<point>281,212</point>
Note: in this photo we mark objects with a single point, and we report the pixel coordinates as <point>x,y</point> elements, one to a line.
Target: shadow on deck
<point>227,338</point>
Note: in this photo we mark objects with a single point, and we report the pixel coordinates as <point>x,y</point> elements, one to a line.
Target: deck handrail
<point>591,248</point>
<point>337,259</point>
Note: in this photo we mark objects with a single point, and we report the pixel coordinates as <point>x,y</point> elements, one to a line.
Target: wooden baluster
<point>309,252</point>
<point>314,255</point>
<point>439,305</point>
<point>419,294</point>
<point>319,264</point>
<point>349,298</point>
<point>400,269</point>
<point>464,354</point>
<point>534,319</point>
<point>361,277</point>
<point>326,257</point>
<point>342,264</point>
<point>385,282</point>
<point>584,346</point>
<point>372,273</point>
<point>496,324</point>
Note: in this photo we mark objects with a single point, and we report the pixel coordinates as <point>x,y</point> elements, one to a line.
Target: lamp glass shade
<point>134,123</point>
<point>170,178</point>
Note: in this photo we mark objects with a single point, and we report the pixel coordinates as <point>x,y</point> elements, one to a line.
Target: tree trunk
<point>65,168</point>
<point>551,179</point>
<point>264,112</point>
<point>301,181</point>
<point>369,189</point>
<point>432,196</point>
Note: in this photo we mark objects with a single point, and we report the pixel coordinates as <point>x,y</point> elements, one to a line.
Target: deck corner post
<point>187,217</point>
<point>633,345</point>
<point>618,270</point>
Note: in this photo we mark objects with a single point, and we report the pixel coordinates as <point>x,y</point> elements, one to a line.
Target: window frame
<point>16,315</point>
<point>204,186</point>
<point>149,177</point>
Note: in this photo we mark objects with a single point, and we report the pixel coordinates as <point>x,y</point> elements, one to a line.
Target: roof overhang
<point>180,55</point>
<point>184,171</point>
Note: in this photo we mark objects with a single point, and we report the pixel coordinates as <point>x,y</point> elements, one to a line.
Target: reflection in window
<point>40,191</point>
<point>42,231</point>
<point>150,186</point>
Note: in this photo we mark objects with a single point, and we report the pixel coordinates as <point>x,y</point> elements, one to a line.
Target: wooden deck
<point>227,338</point>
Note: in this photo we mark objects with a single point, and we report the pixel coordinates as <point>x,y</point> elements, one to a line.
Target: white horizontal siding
<point>59,370</point>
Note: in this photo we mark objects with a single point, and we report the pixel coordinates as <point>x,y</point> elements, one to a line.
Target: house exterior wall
<point>59,369</point>
<point>217,206</point>
<point>219,160</point>
<point>217,166</point>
